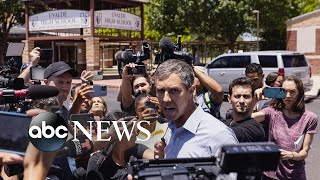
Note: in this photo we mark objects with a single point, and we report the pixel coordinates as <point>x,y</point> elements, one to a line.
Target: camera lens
<point>134,70</point>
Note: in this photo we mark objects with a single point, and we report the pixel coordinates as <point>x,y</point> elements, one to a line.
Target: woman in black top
<point>112,162</point>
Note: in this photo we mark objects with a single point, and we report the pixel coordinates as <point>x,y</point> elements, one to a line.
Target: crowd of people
<point>182,104</point>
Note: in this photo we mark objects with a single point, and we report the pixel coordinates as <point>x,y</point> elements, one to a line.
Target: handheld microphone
<point>77,148</point>
<point>32,92</point>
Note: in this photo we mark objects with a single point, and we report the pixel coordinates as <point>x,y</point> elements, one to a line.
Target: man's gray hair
<point>178,67</point>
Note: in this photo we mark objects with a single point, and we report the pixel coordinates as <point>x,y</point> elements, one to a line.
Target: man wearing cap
<point>59,74</point>
<point>209,92</point>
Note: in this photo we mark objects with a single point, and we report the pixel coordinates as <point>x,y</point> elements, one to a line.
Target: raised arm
<point>212,86</point>
<point>259,116</point>
<point>126,88</point>
<point>35,57</point>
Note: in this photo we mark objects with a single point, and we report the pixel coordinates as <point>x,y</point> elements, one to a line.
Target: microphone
<point>117,56</point>
<point>77,148</point>
<point>127,57</point>
<point>166,45</point>
<point>32,92</point>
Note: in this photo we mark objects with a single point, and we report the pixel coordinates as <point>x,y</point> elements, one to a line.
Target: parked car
<point>228,67</point>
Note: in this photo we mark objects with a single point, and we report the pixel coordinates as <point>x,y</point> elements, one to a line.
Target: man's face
<point>63,83</point>
<point>241,99</point>
<point>174,98</point>
<point>141,85</point>
<point>85,106</point>
<point>140,108</point>
<point>257,78</point>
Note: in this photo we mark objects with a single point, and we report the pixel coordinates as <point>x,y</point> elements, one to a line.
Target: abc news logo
<point>49,131</point>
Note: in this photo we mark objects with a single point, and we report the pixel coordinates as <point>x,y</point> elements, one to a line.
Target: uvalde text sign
<point>59,19</point>
<point>117,20</point>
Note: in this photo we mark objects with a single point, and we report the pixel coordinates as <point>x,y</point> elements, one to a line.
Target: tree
<point>204,19</point>
<point>225,20</point>
<point>310,5</point>
<point>12,14</point>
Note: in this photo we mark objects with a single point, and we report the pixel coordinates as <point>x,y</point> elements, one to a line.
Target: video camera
<point>248,160</point>
<point>169,50</point>
<point>127,56</point>
<point>10,69</point>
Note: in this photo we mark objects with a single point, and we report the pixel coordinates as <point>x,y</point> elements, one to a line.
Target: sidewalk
<point>109,80</point>
<point>113,81</point>
<point>313,93</point>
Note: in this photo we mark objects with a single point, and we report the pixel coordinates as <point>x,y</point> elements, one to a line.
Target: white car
<point>228,67</point>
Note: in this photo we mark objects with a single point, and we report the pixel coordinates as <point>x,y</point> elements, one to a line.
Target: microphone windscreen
<point>166,45</point>
<point>42,91</point>
<point>117,56</point>
<point>127,57</point>
<point>80,148</point>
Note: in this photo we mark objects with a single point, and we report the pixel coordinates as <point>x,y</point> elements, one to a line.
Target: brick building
<point>84,33</point>
<point>303,35</point>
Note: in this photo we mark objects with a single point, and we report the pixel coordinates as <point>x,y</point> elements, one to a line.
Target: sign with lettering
<point>59,19</point>
<point>117,20</point>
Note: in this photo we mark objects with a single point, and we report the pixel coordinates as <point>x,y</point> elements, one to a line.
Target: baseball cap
<point>58,68</point>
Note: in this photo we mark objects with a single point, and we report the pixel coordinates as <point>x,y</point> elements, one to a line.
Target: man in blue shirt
<point>195,133</point>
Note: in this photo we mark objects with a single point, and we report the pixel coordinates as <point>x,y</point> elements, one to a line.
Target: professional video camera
<point>13,83</point>
<point>127,56</point>
<point>248,160</point>
<point>9,70</point>
<point>12,100</point>
<point>169,50</point>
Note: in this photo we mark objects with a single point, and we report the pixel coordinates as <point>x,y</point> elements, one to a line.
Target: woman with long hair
<point>292,128</point>
<point>98,108</point>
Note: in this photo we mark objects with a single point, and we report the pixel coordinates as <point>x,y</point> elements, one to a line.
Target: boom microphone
<point>117,56</point>
<point>74,148</point>
<point>32,92</point>
<point>166,45</point>
<point>127,57</point>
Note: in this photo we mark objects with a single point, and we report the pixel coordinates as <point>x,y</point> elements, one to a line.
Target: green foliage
<point>12,14</point>
<point>224,20</point>
<point>310,5</point>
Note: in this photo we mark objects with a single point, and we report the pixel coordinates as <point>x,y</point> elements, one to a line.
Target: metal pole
<point>258,32</point>
<point>258,27</point>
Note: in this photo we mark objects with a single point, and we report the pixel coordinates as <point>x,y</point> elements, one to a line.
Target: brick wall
<point>315,65</point>
<point>92,53</point>
<point>292,40</point>
<point>29,45</point>
<point>318,41</point>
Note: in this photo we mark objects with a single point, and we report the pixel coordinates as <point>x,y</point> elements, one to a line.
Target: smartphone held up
<point>274,92</point>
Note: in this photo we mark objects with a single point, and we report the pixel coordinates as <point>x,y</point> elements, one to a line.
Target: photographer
<point>87,101</point>
<point>34,60</point>
<point>147,109</point>
<point>209,92</point>
<point>292,128</point>
<point>36,163</point>
<point>112,161</point>
<point>140,84</point>
<point>194,133</point>
<point>241,97</point>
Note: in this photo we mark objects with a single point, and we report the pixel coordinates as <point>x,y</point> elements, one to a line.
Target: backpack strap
<point>207,100</point>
